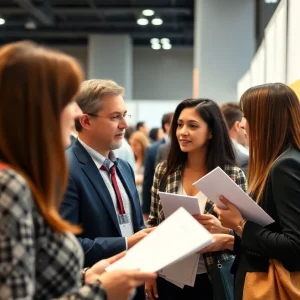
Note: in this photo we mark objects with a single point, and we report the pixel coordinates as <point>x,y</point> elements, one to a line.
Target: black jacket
<point>279,240</point>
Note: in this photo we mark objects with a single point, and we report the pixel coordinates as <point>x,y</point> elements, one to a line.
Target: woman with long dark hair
<point>199,143</point>
<point>272,127</point>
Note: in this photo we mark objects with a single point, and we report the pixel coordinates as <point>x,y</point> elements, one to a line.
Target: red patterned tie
<point>113,178</point>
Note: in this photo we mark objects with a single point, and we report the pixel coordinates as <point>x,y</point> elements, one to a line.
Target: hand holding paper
<point>217,183</point>
<point>230,217</point>
<point>177,237</point>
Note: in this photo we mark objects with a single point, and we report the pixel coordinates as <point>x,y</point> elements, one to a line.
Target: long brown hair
<point>273,115</point>
<point>35,86</point>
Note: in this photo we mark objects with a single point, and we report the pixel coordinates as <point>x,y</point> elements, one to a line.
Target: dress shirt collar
<point>98,158</point>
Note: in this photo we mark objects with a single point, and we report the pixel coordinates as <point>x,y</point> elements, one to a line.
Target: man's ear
<point>236,126</point>
<point>84,121</point>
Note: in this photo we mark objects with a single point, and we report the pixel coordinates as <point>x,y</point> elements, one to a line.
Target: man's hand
<point>132,240</point>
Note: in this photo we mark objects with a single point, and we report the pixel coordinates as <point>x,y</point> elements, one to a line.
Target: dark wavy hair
<point>220,151</point>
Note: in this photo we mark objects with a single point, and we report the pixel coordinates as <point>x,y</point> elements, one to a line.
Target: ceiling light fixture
<point>2,21</point>
<point>271,1</point>
<point>148,12</point>
<point>142,21</point>
<point>157,21</point>
<point>30,25</point>
<point>156,46</point>
<point>154,41</point>
<point>165,41</point>
<point>167,46</point>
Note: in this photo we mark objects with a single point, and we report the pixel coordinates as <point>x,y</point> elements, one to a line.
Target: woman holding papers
<point>40,258</point>
<point>272,126</point>
<point>200,143</point>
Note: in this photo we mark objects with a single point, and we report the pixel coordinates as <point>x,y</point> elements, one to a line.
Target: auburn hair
<point>142,139</point>
<point>273,115</point>
<point>36,84</point>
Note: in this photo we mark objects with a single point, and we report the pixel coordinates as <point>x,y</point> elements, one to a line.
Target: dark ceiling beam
<point>105,25</point>
<point>25,34</point>
<point>94,7</point>
<point>42,14</point>
<point>102,11</point>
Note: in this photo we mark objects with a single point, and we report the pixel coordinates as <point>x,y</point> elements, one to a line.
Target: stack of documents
<point>178,237</point>
<point>217,183</point>
<point>183,272</point>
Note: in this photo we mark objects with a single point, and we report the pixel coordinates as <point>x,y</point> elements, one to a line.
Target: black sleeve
<point>284,246</point>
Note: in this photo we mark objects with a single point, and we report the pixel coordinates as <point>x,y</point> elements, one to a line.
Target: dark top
<point>279,240</point>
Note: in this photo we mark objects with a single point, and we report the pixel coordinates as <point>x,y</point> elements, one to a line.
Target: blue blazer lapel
<point>93,174</point>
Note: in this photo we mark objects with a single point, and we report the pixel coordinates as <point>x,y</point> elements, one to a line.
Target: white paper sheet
<point>177,237</point>
<point>183,271</point>
<point>171,202</point>
<point>217,183</point>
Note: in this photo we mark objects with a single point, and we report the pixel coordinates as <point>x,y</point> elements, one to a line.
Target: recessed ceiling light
<point>30,25</point>
<point>148,12</point>
<point>142,21</point>
<point>157,21</point>
<point>167,46</point>
<point>154,41</point>
<point>165,41</point>
<point>156,46</point>
<point>2,21</point>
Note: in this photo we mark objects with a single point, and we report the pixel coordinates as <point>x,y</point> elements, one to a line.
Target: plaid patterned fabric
<point>35,261</point>
<point>171,186</point>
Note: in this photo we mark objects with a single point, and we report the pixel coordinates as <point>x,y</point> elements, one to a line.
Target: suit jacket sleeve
<point>284,246</point>
<point>159,155</point>
<point>94,249</point>
<point>148,181</point>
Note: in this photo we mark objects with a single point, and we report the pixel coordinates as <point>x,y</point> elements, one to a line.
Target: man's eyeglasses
<point>113,118</point>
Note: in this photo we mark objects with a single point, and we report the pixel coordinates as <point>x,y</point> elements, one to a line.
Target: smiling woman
<point>200,142</point>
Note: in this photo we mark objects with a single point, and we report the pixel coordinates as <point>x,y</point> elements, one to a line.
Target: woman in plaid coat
<point>40,258</point>
<point>200,142</point>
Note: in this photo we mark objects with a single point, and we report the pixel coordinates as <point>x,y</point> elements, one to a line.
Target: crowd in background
<point>71,204</point>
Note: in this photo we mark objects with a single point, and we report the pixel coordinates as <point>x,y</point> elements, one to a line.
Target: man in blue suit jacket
<point>150,159</point>
<point>92,199</point>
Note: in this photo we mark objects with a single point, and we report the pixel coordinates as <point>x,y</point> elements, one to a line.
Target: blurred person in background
<point>142,127</point>
<point>40,258</point>
<point>139,142</point>
<point>150,158</point>
<point>233,117</point>
<point>128,132</point>
<point>156,134</point>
